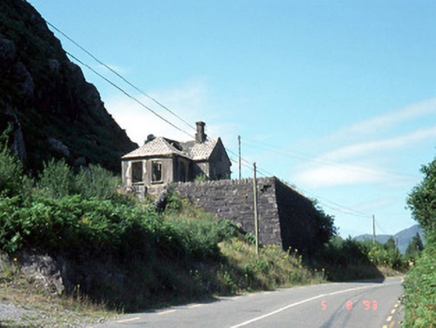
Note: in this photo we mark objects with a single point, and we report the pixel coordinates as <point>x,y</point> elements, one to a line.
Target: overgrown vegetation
<point>121,252</point>
<point>350,259</point>
<point>420,285</point>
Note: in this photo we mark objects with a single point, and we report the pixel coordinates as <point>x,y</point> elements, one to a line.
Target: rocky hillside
<point>46,100</point>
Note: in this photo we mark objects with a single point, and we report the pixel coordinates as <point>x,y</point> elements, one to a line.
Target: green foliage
<point>70,225</point>
<point>325,222</point>
<point>420,289</point>
<point>351,259</point>
<point>98,182</point>
<point>13,180</point>
<point>422,199</point>
<point>414,248</point>
<point>200,178</point>
<point>420,284</point>
<point>58,180</point>
<point>201,237</point>
<point>173,202</point>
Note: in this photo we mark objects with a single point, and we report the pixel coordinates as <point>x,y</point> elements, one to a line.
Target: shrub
<point>58,180</point>
<point>200,237</point>
<point>420,289</point>
<point>98,182</point>
<point>13,180</point>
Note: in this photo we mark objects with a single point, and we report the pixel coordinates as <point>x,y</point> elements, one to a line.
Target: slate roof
<point>200,151</point>
<point>161,146</point>
<point>158,147</point>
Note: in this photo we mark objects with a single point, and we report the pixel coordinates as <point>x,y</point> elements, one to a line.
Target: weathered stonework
<point>286,217</point>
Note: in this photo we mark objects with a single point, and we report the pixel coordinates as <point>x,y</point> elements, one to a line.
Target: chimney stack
<point>200,136</point>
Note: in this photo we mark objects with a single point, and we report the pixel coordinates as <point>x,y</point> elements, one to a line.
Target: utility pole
<point>373,229</point>
<point>256,219</point>
<point>239,143</point>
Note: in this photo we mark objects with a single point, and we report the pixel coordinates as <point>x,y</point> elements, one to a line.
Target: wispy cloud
<point>382,122</point>
<point>358,162</point>
<point>341,174</point>
<point>374,147</point>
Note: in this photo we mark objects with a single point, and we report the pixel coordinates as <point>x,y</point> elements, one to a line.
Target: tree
<point>422,199</point>
<point>415,247</point>
<point>390,245</point>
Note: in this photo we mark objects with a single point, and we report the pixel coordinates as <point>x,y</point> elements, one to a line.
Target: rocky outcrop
<point>52,110</point>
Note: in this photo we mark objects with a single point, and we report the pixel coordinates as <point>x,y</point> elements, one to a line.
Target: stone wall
<point>286,217</point>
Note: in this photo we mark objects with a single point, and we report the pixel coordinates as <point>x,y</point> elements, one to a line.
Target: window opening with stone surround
<point>156,172</point>
<point>137,173</point>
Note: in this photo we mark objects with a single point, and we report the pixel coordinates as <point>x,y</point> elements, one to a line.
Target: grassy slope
<point>237,270</point>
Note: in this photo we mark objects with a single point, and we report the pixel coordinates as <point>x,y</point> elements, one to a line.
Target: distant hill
<point>46,100</point>
<point>403,237</point>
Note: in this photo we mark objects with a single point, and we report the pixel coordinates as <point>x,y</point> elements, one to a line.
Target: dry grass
<point>273,268</point>
<point>33,307</point>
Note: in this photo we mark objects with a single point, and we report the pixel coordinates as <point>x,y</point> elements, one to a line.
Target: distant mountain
<point>52,110</point>
<point>403,238</point>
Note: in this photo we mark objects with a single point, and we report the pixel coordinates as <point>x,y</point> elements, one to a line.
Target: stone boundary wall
<point>285,215</point>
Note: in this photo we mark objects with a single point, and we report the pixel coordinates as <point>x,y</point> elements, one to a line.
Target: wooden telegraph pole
<point>373,229</point>
<point>256,219</point>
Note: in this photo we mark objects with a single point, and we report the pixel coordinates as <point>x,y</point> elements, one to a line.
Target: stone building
<point>161,161</point>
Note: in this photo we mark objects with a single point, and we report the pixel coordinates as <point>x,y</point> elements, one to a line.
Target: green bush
<point>13,180</point>
<point>200,237</point>
<point>58,179</point>
<point>71,225</point>
<point>98,182</point>
<point>420,289</point>
<point>420,283</point>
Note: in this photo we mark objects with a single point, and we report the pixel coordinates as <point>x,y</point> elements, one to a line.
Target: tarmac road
<point>365,304</point>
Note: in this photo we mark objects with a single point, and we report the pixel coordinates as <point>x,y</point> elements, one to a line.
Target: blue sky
<point>335,97</point>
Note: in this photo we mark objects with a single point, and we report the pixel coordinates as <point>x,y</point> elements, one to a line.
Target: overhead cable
<point>119,75</point>
<point>128,94</point>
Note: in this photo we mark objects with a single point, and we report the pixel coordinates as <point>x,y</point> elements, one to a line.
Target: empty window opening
<point>156,172</point>
<point>137,172</point>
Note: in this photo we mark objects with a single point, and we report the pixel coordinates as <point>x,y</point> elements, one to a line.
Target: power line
<point>119,75</point>
<point>261,171</point>
<point>360,168</point>
<point>338,207</point>
<point>127,94</point>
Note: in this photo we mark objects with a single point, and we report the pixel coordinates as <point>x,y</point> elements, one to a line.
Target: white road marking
<point>166,312</point>
<point>277,311</point>
<point>389,318</point>
<point>302,302</point>
<point>128,320</point>
<point>194,306</point>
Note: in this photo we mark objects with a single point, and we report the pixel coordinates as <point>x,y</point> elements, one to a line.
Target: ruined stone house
<point>161,161</point>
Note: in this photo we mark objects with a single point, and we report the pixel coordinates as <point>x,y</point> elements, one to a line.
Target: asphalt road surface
<point>369,304</point>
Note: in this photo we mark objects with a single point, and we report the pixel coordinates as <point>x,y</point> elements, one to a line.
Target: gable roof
<point>200,151</point>
<point>161,146</point>
<point>158,147</point>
